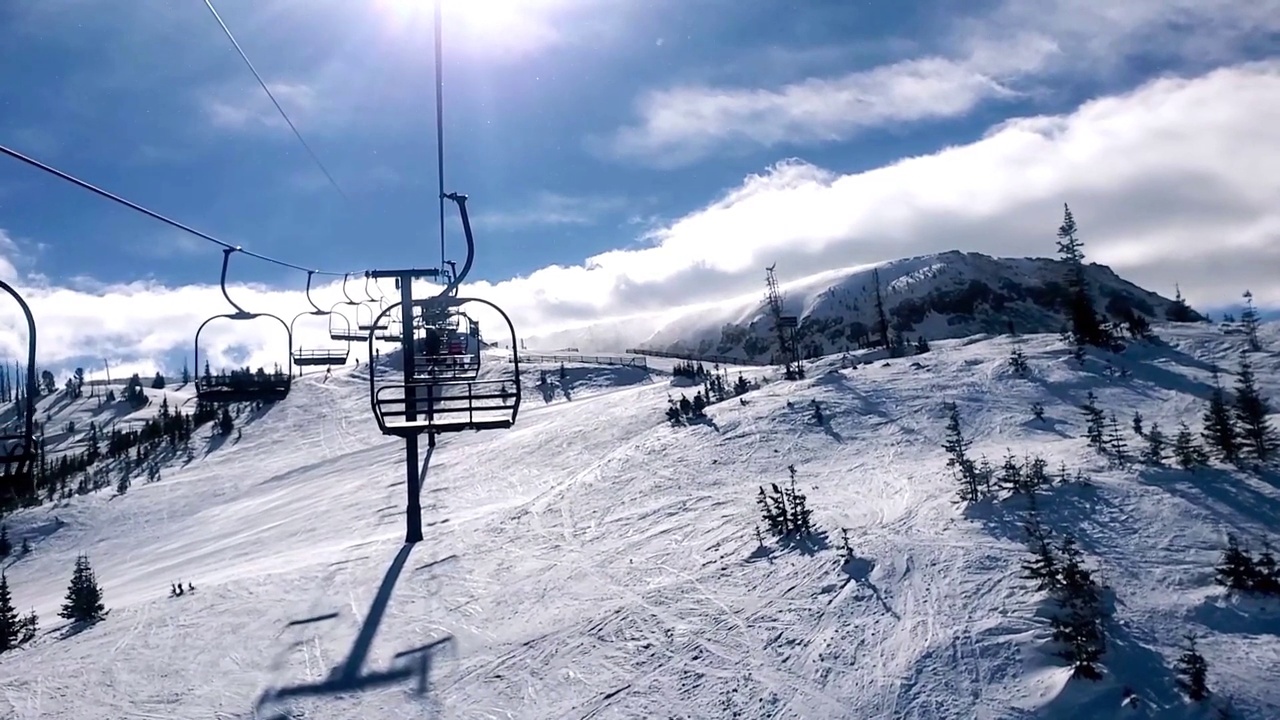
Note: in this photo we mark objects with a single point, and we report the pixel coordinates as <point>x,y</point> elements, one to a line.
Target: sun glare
<point>490,15</point>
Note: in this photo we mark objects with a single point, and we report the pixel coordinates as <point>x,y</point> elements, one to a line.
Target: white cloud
<point>1170,183</point>
<point>241,107</point>
<point>994,56</point>
<point>548,208</point>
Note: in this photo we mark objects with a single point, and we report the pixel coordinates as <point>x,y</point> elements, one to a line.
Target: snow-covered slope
<point>944,295</point>
<point>597,562</point>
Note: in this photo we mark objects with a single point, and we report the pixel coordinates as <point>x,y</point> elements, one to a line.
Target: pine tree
<point>29,625</point>
<point>1010,478</point>
<point>1267,574</point>
<point>1079,623</point>
<point>1116,444</point>
<point>1018,360</point>
<point>1086,327</point>
<point>1186,450</point>
<point>775,522</point>
<point>1154,452</point>
<point>1249,318</point>
<point>84,598</point>
<point>10,623</point>
<point>1179,311</point>
<point>1037,411</point>
<point>186,372</point>
<point>1137,423</point>
<point>957,448</point>
<point>1236,570</point>
<point>801,515</point>
<point>1043,566</point>
<point>1256,433</point>
<point>1219,426</point>
<point>225,422</point>
<point>6,546</point>
<point>1095,423</point>
<point>1193,671</point>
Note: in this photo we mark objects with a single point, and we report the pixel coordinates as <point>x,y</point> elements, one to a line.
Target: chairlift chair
<point>371,322</point>
<point>19,450</point>
<point>323,357</point>
<point>455,358</point>
<point>242,387</point>
<point>343,331</point>
<point>445,398</point>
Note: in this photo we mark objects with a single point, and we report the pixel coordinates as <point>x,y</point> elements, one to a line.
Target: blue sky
<point>581,128</point>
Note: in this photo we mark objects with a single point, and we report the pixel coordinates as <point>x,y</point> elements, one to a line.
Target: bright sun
<point>508,26</point>
<point>472,12</point>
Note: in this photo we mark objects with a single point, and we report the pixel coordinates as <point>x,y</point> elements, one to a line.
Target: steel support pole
<point>413,484</point>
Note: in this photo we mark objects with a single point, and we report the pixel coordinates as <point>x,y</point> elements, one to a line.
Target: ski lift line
<point>155,215</point>
<point>283,114</point>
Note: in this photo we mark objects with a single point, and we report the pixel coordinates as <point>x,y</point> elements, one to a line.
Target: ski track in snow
<point>595,562</point>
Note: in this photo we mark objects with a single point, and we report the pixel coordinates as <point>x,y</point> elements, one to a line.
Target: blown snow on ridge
<point>597,562</point>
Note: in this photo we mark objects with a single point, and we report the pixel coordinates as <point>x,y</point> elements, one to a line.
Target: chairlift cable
<point>152,214</point>
<point>439,115</point>
<point>267,90</point>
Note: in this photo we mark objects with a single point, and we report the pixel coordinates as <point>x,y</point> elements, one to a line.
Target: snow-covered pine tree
<point>83,601</point>
<point>673,412</point>
<point>1236,569</point>
<point>1116,444</point>
<point>775,522</point>
<point>1249,319</point>
<point>10,623</point>
<point>699,405</point>
<point>29,625</point>
<point>1267,574</point>
<point>1179,311</point>
<point>1035,473</point>
<point>1086,326</point>
<point>1079,624</point>
<point>1154,451</point>
<point>1037,411</point>
<point>1186,450</point>
<point>1193,671</point>
<point>1095,423</point>
<point>1043,566</point>
<point>1256,434</point>
<point>1018,360</point>
<point>1219,426</point>
<point>1010,478</point>
<point>801,515</point>
<point>225,422</point>
<point>779,502</point>
<point>957,448</point>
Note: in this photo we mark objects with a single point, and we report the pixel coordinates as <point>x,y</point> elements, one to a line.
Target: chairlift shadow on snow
<point>349,676</point>
<point>858,570</point>
<point>835,434</point>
